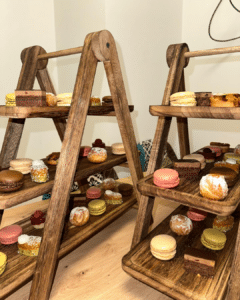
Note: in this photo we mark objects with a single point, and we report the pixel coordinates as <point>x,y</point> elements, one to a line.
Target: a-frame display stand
<point>171,277</point>
<point>98,47</point>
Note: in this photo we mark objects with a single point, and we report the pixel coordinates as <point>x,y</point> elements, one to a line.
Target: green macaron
<point>96,207</point>
<point>213,239</point>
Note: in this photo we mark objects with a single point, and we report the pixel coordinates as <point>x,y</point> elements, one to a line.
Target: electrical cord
<point>210,22</point>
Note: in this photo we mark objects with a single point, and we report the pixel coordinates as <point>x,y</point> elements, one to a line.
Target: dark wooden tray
<point>170,277</point>
<point>31,189</point>
<point>20,268</point>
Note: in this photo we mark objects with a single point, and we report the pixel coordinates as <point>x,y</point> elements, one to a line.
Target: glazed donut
<point>213,187</point>
<point>52,159</point>
<point>79,216</point>
<point>181,224</point>
<point>97,155</point>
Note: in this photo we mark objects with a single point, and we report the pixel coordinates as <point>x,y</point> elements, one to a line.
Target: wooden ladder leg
<point>176,61</point>
<point>46,84</point>
<point>25,82</point>
<point>66,167</point>
<point>105,50</point>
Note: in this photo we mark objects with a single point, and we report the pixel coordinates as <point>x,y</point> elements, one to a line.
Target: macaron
<point>163,247</point>
<point>3,262</point>
<point>22,165</point>
<point>222,223</point>
<point>183,99</point>
<point>93,192</point>
<point>97,207</point>
<point>196,214</point>
<point>213,239</point>
<point>198,157</point>
<point>166,178</point>
<point>9,234</point>
<point>118,149</point>
<point>10,180</point>
<point>84,150</point>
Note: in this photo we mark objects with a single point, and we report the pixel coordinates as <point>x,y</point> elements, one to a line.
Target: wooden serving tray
<point>170,277</point>
<point>187,193</point>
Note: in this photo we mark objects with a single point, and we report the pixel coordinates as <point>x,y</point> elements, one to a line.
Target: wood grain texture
<point>205,112</point>
<point>170,277</point>
<point>104,48</point>
<point>20,268</point>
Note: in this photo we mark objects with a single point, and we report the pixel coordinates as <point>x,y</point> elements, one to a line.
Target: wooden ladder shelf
<point>170,277</point>
<point>98,47</point>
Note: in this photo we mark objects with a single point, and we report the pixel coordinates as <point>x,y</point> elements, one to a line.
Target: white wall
<point>142,31</point>
<point>214,73</point>
<point>23,24</point>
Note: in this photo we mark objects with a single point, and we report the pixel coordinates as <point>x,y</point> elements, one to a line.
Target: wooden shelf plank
<point>187,193</point>
<point>21,112</point>
<point>20,268</point>
<point>170,277</point>
<point>31,189</point>
<point>195,112</point>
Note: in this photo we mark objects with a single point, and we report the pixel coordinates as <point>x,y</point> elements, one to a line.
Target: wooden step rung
<point>61,53</point>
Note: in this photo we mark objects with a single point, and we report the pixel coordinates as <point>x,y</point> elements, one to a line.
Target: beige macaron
<point>183,99</point>
<point>22,165</point>
<point>163,247</point>
<point>118,149</point>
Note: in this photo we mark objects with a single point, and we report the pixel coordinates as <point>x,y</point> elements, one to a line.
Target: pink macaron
<point>9,234</point>
<point>93,192</point>
<point>166,178</point>
<point>84,150</point>
<point>196,214</point>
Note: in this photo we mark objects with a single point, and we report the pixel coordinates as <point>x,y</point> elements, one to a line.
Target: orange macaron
<point>166,178</point>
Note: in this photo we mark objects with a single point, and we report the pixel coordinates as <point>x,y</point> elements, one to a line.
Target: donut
<point>51,99</point>
<point>79,216</point>
<point>181,224</point>
<point>213,187</point>
<point>95,101</point>
<point>52,159</point>
<point>97,155</point>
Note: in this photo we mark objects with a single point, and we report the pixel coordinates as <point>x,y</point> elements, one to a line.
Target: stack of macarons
<point>166,178</point>
<point>213,239</point>
<point>97,207</point>
<point>3,262</point>
<point>9,234</point>
<point>183,99</point>
<point>163,247</point>
<point>22,165</point>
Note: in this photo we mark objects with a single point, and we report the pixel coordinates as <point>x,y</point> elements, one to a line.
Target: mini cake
<point>39,171</point>
<point>38,219</point>
<point>163,247</point>
<point>232,156</point>
<point>213,187</point>
<point>22,165</point>
<point>52,159</point>
<point>3,262</point>
<point>10,99</point>
<point>64,99</point>
<point>208,154</point>
<point>224,146</point>
<point>223,224</point>
<point>215,149</point>
<point>229,174</point>
<point>166,178</point>
<point>112,197</point>
<point>10,180</point>
<point>107,100</point>
<point>237,150</point>
<point>203,98</point>
<point>9,234</point>
<point>118,149</point>
<point>29,244</point>
<point>98,143</point>
<point>229,163</point>
<point>95,101</point>
<point>198,157</point>
<point>108,184</point>
<point>30,98</point>
<point>125,189</point>
<point>51,99</point>
<point>200,262</point>
<point>84,151</point>
<point>97,155</point>
<point>181,224</point>
<point>183,99</point>
<point>196,214</point>
<point>187,168</point>
<point>79,216</point>
<point>93,193</point>
<point>97,207</point>
<point>213,239</point>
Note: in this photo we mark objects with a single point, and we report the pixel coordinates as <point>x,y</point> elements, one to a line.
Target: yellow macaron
<point>3,262</point>
<point>97,207</point>
<point>183,99</point>
<point>163,246</point>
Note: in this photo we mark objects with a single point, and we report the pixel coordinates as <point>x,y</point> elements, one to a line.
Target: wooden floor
<point>93,271</point>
